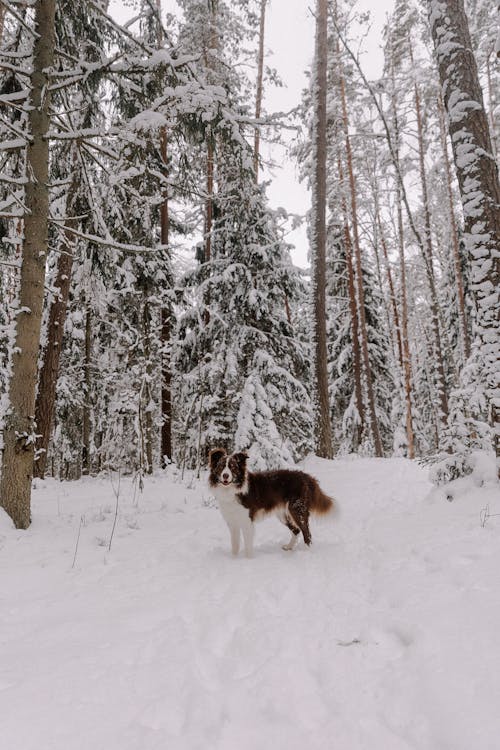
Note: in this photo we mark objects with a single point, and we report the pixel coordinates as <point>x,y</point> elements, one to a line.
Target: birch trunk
<point>17,459</point>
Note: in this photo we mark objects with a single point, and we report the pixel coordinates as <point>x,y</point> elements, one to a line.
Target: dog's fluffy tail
<point>322,504</point>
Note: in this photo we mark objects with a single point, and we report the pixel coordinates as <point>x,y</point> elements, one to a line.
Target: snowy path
<point>383,636</point>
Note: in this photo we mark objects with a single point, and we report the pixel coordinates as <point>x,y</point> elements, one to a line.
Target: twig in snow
<point>117,495</point>
<point>485,515</point>
<point>82,520</point>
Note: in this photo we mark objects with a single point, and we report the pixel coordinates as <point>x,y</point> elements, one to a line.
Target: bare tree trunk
<point>374,428</point>
<point>210,164</point>
<point>491,106</point>
<point>49,372</point>
<point>429,262</point>
<point>410,437</point>
<point>392,293</point>
<point>2,19</point>
<point>323,428</point>
<point>17,460</point>
<point>462,314</point>
<point>87,371</point>
<point>258,97</point>
<point>209,200</point>
<point>166,312</point>
<point>148,435</point>
<point>405,343</point>
<point>477,175</point>
<point>353,309</point>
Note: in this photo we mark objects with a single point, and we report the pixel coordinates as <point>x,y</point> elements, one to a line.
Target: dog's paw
<point>288,547</point>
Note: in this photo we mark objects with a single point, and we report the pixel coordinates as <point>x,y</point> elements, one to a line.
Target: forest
<point>149,305</point>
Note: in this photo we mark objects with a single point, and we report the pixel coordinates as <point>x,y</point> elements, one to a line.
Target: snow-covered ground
<point>385,635</point>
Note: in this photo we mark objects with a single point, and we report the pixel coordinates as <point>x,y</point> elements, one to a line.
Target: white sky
<point>289,49</point>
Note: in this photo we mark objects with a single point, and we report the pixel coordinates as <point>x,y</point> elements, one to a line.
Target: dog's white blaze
<point>226,472</point>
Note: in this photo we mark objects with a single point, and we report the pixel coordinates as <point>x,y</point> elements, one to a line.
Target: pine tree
<point>477,176</point>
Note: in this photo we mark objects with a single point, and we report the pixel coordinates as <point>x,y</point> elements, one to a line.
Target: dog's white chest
<point>232,511</point>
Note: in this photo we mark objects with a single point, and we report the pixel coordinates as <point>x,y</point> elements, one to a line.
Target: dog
<point>244,497</point>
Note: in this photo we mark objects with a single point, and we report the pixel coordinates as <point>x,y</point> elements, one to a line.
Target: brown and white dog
<point>244,497</point>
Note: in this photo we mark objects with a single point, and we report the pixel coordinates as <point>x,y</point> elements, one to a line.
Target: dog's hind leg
<point>294,538</point>
<point>300,517</point>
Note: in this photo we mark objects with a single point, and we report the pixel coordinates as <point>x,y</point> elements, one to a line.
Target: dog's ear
<point>215,456</point>
<point>241,457</point>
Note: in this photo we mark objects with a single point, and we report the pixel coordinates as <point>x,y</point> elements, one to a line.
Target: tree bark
<point>392,293</point>
<point>405,343</point>
<point>166,312</point>
<point>374,428</point>
<point>353,309</point>
<point>210,142</point>
<point>49,372</point>
<point>410,437</point>
<point>459,282</point>
<point>87,371</point>
<point>17,460</point>
<point>258,96</point>
<point>165,333</point>
<point>323,428</point>
<point>477,175</point>
<point>429,261</point>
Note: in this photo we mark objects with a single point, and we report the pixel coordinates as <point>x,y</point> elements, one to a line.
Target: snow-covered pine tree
<point>243,369</point>
<point>477,175</point>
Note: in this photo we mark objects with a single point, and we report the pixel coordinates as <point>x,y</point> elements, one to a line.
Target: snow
<point>383,635</point>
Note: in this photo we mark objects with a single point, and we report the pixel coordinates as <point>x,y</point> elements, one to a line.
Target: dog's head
<point>227,470</point>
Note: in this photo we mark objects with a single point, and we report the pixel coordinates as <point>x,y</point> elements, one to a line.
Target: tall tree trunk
<point>258,96</point>
<point>477,175</point>
<point>166,312</point>
<point>390,282</point>
<point>410,437</point>
<point>213,43</point>
<point>148,415</point>
<point>2,20</point>
<point>459,281</point>
<point>87,372</point>
<point>49,372</point>
<point>323,427</point>
<point>374,428</point>
<point>353,310</point>
<point>491,104</point>
<point>429,260</point>
<point>17,460</point>
<point>405,343</point>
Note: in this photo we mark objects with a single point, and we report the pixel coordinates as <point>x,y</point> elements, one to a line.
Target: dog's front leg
<point>235,539</point>
<point>248,532</point>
